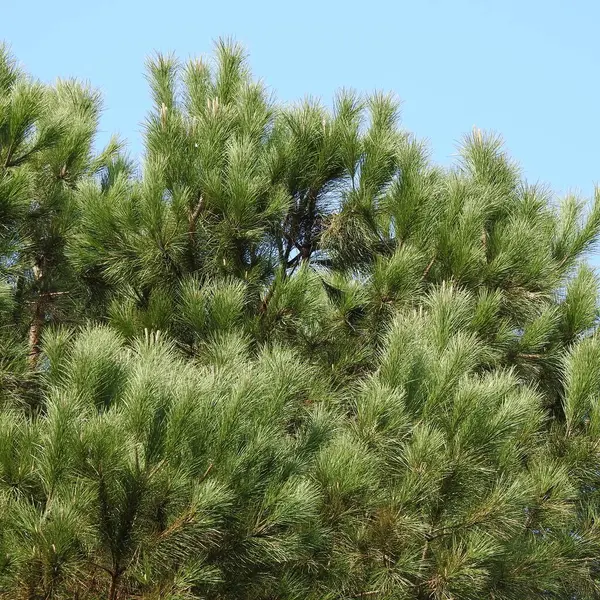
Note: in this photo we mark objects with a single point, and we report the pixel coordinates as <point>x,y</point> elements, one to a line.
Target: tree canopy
<point>287,356</point>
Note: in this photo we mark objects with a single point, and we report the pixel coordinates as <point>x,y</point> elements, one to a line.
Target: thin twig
<point>428,268</point>
<point>206,472</point>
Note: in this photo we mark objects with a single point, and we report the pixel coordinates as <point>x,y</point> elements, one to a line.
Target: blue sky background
<point>527,69</point>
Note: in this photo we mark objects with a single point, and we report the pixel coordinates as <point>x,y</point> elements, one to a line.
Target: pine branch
<point>197,210</point>
<point>428,268</point>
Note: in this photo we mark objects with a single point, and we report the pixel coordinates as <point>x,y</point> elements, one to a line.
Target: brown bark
<point>113,592</point>
<point>35,334</point>
<point>265,303</point>
<point>428,268</point>
<point>194,216</point>
<point>37,323</point>
<point>192,221</point>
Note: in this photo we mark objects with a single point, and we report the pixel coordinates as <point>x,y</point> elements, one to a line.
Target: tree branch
<point>428,267</point>
<point>199,206</point>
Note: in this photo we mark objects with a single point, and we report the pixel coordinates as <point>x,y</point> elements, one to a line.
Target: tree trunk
<point>114,586</point>
<point>37,323</point>
<point>193,220</point>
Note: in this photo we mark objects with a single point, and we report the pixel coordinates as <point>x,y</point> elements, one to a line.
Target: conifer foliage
<point>288,357</point>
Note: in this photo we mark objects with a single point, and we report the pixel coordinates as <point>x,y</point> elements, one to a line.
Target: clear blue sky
<point>525,68</point>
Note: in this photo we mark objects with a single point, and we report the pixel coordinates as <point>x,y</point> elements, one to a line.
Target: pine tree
<point>46,136</point>
<point>291,357</point>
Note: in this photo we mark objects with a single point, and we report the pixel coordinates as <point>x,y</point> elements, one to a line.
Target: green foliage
<point>288,357</point>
